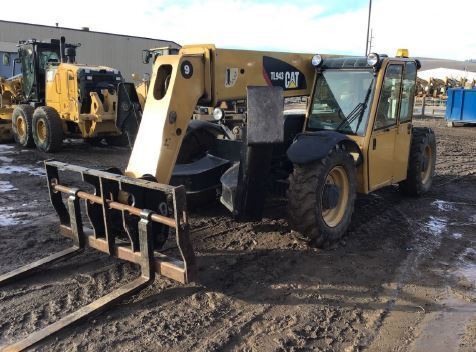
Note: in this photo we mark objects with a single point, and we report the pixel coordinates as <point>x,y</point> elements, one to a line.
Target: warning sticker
<point>231,76</point>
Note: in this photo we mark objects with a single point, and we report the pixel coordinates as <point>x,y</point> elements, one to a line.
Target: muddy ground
<point>403,279</point>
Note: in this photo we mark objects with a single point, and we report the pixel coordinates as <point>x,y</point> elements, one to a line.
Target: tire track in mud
<point>39,305</point>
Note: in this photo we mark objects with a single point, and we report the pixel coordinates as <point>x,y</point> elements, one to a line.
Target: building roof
<point>88,31</point>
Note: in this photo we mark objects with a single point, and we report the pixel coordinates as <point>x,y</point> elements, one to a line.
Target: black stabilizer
<point>129,112</point>
<point>244,185</point>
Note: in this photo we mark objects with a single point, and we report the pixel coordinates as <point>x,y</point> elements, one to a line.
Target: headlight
<point>373,59</point>
<point>218,114</point>
<point>316,60</point>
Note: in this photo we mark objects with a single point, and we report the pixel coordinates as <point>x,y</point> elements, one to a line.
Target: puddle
<point>10,169</point>
<point>5,159</point>
<point>466,272</point>
<point>443,329</point>
<point>457,235</point>
<point>443,205</point>
<point>5,147</point>
<point>436,226</point>
<point>9,217</point>
<point>6,186</point>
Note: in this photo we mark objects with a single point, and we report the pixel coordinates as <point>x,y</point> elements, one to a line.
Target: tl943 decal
<point>278,73</point>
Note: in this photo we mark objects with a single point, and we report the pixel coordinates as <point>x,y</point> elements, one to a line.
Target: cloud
<point>428,28</point>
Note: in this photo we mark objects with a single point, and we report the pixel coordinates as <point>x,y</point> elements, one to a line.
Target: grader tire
<point>47,129</point>
<point>22,120</point>
<point>421,163</point>
<point>309,191</point>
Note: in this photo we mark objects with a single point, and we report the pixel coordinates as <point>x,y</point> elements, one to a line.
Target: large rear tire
<point>321,197</point>
<point>22,120</point>
<point>421,163</point>
<point>47,129</point>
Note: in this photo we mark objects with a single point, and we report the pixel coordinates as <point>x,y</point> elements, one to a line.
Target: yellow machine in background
<point>10,95</point>
<point>355,137</point>
<point>61,99</point>
<point>142,86</point>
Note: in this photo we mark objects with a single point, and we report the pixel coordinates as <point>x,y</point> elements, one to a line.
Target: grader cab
<point>356,137</point>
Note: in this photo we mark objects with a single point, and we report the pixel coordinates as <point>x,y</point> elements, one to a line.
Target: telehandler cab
<point>61,98</point>
<point>357,136</point>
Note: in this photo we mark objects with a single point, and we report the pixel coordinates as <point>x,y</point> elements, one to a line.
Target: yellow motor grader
<point>355,137</point>
<point>62,99</point>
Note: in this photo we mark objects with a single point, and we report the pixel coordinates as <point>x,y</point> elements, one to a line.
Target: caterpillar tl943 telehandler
<point>357,136</point>
<point>61,98</point>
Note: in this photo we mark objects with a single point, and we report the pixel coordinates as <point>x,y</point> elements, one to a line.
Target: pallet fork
<point>141,225</point>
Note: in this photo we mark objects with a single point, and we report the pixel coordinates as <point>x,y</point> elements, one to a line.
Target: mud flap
<point>129,112</point>
<point>244,184</point>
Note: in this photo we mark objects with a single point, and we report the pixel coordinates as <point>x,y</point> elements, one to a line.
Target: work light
<point>373,59</point>
<point>316,60</point>
<point>218,114</point>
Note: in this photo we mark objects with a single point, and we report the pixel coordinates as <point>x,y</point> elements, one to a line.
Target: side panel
<point>234,70</point>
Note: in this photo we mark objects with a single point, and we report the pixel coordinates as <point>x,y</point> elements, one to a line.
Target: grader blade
<point>138,238</point>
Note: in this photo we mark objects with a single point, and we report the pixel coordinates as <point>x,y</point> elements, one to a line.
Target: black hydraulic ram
<point>134,229</point>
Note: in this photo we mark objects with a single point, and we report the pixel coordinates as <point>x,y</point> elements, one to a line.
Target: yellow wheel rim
<point>428,165</point>
<point>41,130</point>
<point>21,126</point>
<point>338,177</point>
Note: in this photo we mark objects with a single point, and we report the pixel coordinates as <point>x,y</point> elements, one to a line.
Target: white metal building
<point>97,48</point>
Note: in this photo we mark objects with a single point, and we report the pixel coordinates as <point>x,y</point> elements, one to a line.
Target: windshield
<point>341,101</point>
<point>46,57</point>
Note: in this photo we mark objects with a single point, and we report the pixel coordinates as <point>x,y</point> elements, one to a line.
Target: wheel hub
<point>21,126</point>
<point>335,196</point>
<point>330,196</point>
<point>42,131</point>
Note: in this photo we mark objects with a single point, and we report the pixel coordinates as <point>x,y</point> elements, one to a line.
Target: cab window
<point>408,92</point>
<point>389,98</point>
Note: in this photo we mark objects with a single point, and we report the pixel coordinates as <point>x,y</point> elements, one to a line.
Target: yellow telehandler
<point>356,137</point>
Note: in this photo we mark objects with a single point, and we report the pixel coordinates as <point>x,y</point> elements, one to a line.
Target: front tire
<point>47,129</point>
<point>321,197</point>
<point>22,120</point>
<point>421,163</point>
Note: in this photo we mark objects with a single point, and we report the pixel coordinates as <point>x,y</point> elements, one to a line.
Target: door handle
<point>374,143</point>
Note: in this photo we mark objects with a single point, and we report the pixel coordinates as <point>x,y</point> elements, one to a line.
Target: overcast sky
<point>430,28</point>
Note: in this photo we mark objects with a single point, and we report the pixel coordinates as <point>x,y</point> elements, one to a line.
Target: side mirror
<point>146,55</point>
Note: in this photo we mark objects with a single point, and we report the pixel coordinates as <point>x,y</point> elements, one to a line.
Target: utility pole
<point>368,29</point>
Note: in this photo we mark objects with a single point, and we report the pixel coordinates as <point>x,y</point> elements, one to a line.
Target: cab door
<point>404,132</point>
<point>384,133</point>
<point>52,88</point>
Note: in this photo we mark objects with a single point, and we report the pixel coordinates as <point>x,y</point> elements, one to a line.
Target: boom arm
<point>205,75</point>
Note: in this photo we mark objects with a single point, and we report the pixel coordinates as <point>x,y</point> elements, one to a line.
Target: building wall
<point>118,51</point>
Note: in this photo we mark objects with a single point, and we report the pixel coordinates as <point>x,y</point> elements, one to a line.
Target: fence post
<point>423,106</point>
